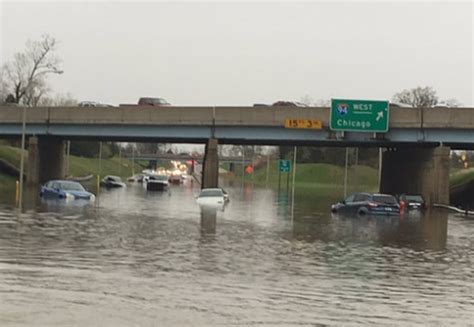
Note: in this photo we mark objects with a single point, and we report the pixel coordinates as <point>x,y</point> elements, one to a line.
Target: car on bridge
<point>288,104</point>
<point>65,189</point>
<point>157,102</point>
<point>368,204</point>
<point>93,104</point>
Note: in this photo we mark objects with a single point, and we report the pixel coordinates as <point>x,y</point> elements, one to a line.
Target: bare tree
<point>451,103</point>
<point>25,76</point>
<point>309,101</point>
<point>59,100</point>
<point>419,97</point>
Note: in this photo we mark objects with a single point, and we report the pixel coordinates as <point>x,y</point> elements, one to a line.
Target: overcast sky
<point>208,53</point>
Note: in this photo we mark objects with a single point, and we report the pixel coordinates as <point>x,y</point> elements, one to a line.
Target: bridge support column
<point>419,171</point>
<point>51,159</point>
<point>210,170</point>
<point>32,174</point>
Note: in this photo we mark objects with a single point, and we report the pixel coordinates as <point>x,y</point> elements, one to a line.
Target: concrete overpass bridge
<point>237,125</point>
<point>417,142</point>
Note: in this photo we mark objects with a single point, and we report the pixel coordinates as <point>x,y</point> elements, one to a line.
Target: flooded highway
<point>138,258</point>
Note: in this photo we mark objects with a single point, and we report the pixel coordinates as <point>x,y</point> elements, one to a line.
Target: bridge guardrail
<point>455,118</point>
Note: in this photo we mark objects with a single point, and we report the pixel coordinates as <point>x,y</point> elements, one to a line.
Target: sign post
<point>284,166</point>
<point>359,115</point>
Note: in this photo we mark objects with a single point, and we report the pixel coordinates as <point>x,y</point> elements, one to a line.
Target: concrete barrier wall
<point>455,118</point>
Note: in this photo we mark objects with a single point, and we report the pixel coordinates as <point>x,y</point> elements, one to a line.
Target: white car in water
<point>212,197</point>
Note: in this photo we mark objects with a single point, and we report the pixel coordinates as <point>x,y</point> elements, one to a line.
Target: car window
<point>414,198</point>
<point>71,186</point>
<point>207,193</point>
<point>350,199</point>
<point>162,177</point>
<point>386,199</point>
<point>360,197</point>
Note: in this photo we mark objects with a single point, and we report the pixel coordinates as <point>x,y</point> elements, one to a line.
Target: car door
<point>360,200</point>
<point>49,189</point>
<point>346,204</point>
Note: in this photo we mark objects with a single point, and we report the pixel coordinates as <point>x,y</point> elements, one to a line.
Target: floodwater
<point>156,259</point>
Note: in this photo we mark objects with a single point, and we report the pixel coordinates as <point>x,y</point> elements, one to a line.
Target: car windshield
<point>386,199</point>
<point>414,198</point>
<point>208,193</point>
<point>161,177</point>
<point>70,186</point>
<point>113,179</point>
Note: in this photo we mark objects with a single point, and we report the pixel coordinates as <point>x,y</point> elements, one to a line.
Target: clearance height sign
<point>359,115</point>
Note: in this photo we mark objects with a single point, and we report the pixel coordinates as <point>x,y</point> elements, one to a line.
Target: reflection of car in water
<point>110,181</point>
<point>64,189</point>
<point>412,202</point>
<point>368,203</point>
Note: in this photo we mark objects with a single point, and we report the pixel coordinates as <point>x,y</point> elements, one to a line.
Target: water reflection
<point>416,230</point>
<point>157,256</point>
<point>208,219</point>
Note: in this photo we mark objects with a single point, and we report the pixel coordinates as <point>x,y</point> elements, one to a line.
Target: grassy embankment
<point>460,177</point>
<point>318,179</point>
<point>78,166</point>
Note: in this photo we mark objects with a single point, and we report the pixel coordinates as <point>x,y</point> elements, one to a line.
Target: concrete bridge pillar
<point>50,159</point>
<point>210,170</point>
<point>32,173</point>
<point>421,171</point>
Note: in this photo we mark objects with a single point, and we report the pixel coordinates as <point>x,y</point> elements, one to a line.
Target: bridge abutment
<point>210,170</point>
<point>417,171</point>
<point>45,159</point>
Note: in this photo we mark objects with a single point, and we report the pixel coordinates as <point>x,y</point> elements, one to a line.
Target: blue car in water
<point>63,189</point>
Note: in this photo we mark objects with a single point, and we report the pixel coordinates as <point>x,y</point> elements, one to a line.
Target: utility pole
<point>22,159</point>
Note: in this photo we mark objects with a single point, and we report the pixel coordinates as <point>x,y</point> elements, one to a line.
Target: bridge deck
<point>237,125</point>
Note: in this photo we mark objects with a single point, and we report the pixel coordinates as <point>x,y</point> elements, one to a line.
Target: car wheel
<point>362,211</point>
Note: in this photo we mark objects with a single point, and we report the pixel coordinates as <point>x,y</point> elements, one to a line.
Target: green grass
<point>311,179</point>
<point>78,166</point>
<point>319,176</point>
<point>462,176</point>
<point>11,154</point>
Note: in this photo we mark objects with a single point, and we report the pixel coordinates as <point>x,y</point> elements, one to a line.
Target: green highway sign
<point>284,166</point>
<point>359,115</point>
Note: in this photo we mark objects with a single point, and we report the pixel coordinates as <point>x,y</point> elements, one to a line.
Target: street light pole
<point>22,159</point>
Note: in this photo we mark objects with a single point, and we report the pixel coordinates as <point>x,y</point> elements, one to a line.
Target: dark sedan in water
<point>64,189</point>
<point>412,202</point>
<point>368,204</point>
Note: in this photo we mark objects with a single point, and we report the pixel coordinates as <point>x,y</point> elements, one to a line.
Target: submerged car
<point>156,182</point>
<point>412,202</point>
<point>212,196</point>
<point>64,189</point>
<point>111,181</point>
<point>368,204</point>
